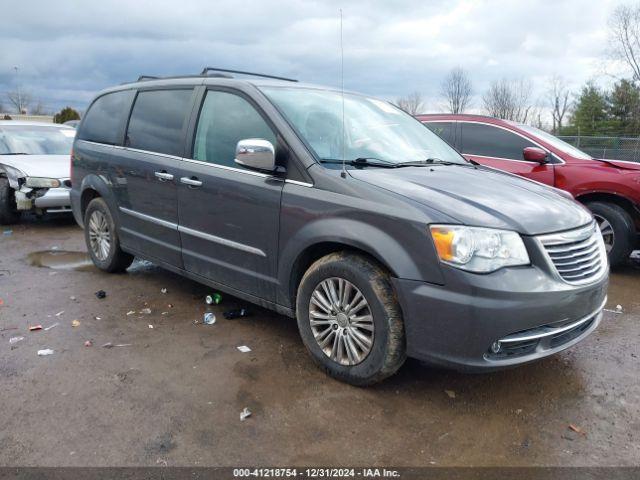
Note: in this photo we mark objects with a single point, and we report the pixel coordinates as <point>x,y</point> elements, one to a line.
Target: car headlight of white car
<point>476,249</point>
<point>40,182</point>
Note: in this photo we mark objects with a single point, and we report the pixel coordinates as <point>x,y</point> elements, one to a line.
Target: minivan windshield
<point>374,129</point>
<point>35,140</point>
<point>555,142</point>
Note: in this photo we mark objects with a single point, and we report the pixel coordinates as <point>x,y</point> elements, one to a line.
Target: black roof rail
<point>147,77</point>
<point>206,71</point>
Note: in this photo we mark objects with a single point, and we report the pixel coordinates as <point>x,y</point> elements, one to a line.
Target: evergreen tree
<point>66,114</point>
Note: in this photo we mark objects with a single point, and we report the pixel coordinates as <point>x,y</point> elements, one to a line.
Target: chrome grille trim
<point>549,330</point>
<point>578,256</point>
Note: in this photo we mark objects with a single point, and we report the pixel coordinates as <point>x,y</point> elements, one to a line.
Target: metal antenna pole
<point>343,174</point>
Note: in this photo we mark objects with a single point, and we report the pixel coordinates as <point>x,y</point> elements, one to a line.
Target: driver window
<point>224,120</point>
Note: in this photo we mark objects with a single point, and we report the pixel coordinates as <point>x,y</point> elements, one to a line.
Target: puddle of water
<point>61,260</point>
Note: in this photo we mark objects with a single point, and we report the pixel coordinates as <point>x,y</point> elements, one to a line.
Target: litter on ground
<point>75,323</point>
<point>240,312</point>
<point>214,298</point>
<point>576,429</point>
<point>59,313</point>
<point>111,345</point>
<point>14,340</point>
<point>130,312</point>
<point>150,326</point>
<point>618,310</point>
<point>146,311</point>
<point>163,291</point>
<point>244,348</point>
<point>88,343</point>
<point>51,326</point>
<point>46,351</point>
<point>209,318</point>
<point>450,393</point>
<point>33,328</point>
<point>245,413</point>
<point>101,294</point>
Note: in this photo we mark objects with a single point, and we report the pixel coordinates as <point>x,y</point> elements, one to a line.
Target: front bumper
<point>55,200</point>
<point>530,312</point>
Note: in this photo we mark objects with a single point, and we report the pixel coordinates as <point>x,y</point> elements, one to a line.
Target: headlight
<point>478,249</point>
<point>38,182</point>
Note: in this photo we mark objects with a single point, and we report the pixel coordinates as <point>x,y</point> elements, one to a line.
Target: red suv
<point>609,188</point>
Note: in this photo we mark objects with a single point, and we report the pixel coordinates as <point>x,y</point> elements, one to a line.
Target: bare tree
<point>19,100</point>
<point>456,90</point>
<point>412,103</point>
<point>558,98</point>
<point>508,99</point>
<point>38,108</point>
<point>624,37</point>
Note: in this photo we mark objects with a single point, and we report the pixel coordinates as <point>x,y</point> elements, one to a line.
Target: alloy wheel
<point>607,232</point>
<point>341,321</point>
<point>99,235</point>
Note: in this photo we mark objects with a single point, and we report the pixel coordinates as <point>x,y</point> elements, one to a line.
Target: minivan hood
<point>47,166</point>
<point>482,197</point>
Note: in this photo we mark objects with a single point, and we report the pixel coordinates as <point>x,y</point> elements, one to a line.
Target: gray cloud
<point>66,51</point>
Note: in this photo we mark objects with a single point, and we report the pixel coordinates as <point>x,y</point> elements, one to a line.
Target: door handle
<point>163,176</point>
<point>192,182</point>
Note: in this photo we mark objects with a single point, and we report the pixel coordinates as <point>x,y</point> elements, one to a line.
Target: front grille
<point>579,256</point>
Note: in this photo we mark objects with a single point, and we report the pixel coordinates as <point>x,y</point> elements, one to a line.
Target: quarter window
<point>490,141</point>
<point>225,119</point>
<point>103,123</point>
<point>157,121</point>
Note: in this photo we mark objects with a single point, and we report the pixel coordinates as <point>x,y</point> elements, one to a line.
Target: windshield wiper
<point>426,162</point>
<point>361,162</point>
<point>15,153</point>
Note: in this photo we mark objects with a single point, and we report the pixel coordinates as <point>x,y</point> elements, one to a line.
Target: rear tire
<point>362,345</point>
<point>617,228</point>
<point>9,213</point>
<point>102,239</point>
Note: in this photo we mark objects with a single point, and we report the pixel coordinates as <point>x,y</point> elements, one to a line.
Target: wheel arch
<point>94,186</point>
<point>607,197</point>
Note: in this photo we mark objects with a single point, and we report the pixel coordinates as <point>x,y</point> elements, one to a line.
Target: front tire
<point>102,239</point>
<point>350,320</point>
<point>617,229</point>
<point>9,213</point>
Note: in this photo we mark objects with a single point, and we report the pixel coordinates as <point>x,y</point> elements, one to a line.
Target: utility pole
<point>18,88</point>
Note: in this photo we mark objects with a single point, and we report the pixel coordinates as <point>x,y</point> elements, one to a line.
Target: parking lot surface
<point>173,394</point>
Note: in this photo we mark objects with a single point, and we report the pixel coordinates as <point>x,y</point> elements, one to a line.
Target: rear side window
<point>225,119</point>
<point>104,121</point>
<point>157,121</point>
<point>445,130</point>
<point>489,141</point>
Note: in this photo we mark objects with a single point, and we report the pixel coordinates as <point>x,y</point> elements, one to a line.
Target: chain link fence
<point>613,148</point>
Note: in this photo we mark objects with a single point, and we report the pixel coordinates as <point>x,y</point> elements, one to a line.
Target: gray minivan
<point>339,210</point>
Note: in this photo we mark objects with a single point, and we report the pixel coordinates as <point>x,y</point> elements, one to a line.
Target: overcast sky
<point>66,51</point>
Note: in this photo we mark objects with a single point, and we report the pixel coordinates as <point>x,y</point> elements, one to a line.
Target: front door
<point>502,149</point>
<point>229,215</point>
<point>154,144</point>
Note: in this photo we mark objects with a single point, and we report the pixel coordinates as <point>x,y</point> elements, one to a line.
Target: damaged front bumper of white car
<point>38,194</point>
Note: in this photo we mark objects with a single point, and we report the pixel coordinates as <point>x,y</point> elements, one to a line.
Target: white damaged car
<point>34,169</point>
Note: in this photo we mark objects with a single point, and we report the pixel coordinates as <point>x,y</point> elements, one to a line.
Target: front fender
<point>405,250</point>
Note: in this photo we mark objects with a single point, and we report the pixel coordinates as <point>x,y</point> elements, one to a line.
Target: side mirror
<point>535,154</point>
<point>256,153</point>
